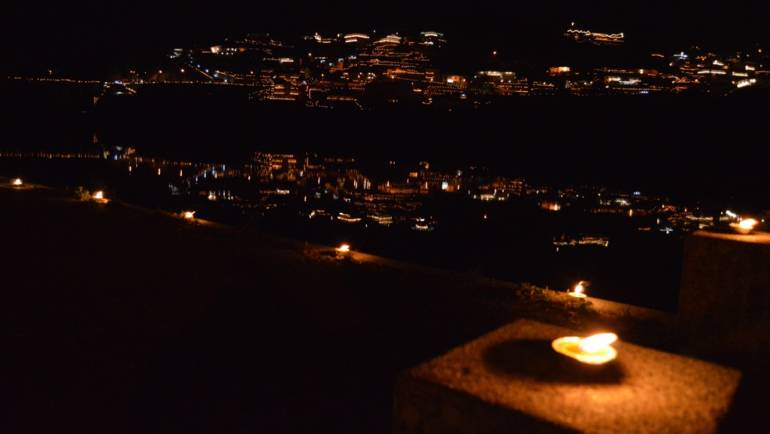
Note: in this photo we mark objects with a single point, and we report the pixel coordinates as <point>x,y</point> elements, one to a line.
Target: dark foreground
<point>122,320</point>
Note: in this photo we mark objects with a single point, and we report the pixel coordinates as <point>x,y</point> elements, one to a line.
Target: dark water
<point>703,149</point>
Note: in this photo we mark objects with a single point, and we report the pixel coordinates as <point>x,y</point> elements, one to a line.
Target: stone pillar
<point>726,282</point>
<point>511,381</point>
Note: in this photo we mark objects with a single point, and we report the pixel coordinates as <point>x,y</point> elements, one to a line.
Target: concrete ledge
<point>511,381</point>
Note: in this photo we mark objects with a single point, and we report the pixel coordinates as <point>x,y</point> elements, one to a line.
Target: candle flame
<point>17,182</point>
<point>189,215</point>
<point>745,226</point>
<point>578,291</point>
<point>343,248</point>
<point>597,343</point>
<point>99,197</point>
<point>749,224</point>
<point>593,350</point>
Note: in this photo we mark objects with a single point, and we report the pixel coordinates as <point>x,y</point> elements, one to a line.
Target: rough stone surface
<point>511,381</point>
<point>726,280</point>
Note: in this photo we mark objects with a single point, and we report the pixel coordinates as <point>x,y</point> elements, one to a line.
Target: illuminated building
<point>409,75</point>
<point>449,85</point>
<point>320,39</point>
<point>389,40</point>
<point>399,189</point>
<point>276,165</point>
<point>581,241</point>
<point>384,220</point>
<point>281,86</point>
<point>554,71</point>
<point>390,53</point>
<point>502,83</point>
<point>542,88</point>
<point>550,206</point>
<point>432,39</point>
<point>356,38</point>
<point>595,38</point>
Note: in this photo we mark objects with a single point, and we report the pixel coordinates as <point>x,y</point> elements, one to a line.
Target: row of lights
<point>99,197</point>
<point>592,350</point>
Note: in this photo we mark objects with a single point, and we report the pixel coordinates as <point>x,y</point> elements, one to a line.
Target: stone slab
<point>726,280</point>
<point>512,381</point>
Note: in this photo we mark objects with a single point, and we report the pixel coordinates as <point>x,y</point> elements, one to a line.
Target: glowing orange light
<point>745,226</point>
<point>99,197</point>
<point>17,182</point>
<point>593,350</point>
<point>343,248</point>
<point>578,291</point>
<point>188,215</point>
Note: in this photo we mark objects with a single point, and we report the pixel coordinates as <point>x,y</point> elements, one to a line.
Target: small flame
<point>189,215</point>
<point>597,343</point>
<point>745,226</point>
<point>593,350</point>
<point>98,197</point>
<point>748,224</point>
<point>578,291</point>
<point>343,248</point>
<point>17,182</point>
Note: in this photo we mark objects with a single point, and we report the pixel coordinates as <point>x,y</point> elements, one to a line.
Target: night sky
<point>109,35</point>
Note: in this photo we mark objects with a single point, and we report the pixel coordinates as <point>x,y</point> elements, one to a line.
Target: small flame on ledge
<point>99,197</point>
<point>188,215</point>
<point>578,291</point>
<point>593,350</point>
<point>344,248</point>
<point>745,226</point>
<point>17,182</point>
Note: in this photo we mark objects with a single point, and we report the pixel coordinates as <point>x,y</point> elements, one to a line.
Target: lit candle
<point>99,197</point>
<point>593,350</point>
<point>745,226</point>
<point>344,248</point>
<point>578,291</point>
<point>17,182</point>
<point>189,215</point>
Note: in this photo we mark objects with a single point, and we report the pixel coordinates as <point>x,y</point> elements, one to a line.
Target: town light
<point>578,291</point>
<point>593,350</point>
